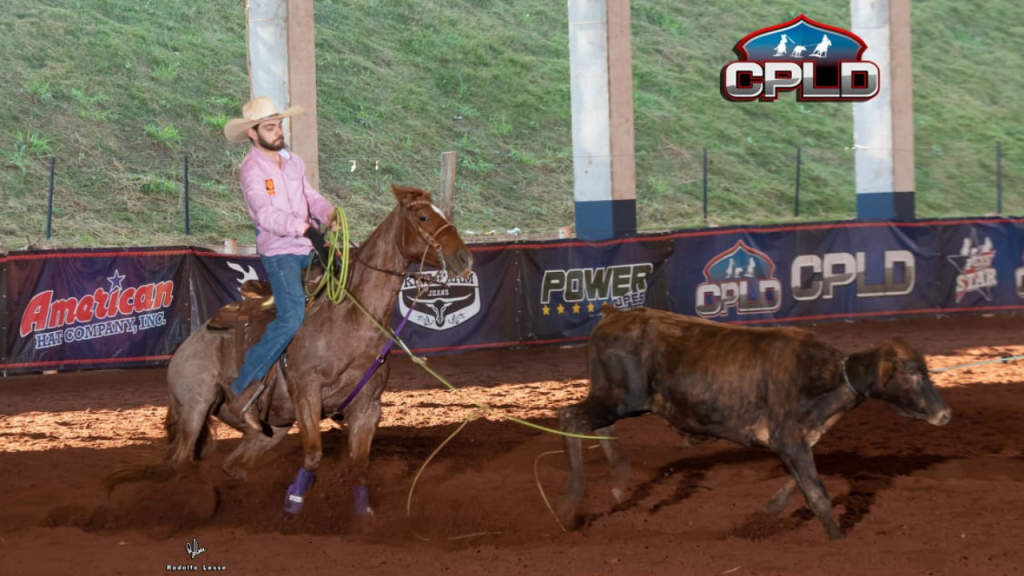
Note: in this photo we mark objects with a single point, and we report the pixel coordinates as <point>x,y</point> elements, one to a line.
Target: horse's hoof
<point>361,502</point>
<point>565,510</point>
<point>296,495</point>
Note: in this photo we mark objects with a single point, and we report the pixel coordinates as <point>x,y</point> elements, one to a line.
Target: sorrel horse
<point>325,360</point>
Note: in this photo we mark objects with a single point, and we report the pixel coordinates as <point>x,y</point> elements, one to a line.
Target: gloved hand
<point>319,244</point>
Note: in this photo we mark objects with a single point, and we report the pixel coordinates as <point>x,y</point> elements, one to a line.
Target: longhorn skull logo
<point>437,306</point>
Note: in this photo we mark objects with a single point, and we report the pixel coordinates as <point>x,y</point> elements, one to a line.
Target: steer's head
<point>904,384</point>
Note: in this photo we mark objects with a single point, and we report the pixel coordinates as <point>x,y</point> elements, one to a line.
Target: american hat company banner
<point>102,308</point>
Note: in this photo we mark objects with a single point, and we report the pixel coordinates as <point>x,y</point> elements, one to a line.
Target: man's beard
<point>275,146</point>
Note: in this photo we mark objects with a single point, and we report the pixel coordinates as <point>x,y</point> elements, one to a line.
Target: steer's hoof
<point>619,494</point>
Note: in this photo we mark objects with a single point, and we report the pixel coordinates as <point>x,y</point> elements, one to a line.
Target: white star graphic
<point>115,281</point>
<point>966,264</point>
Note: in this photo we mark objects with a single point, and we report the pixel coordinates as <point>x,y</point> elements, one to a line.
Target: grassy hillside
<point>120,91</point>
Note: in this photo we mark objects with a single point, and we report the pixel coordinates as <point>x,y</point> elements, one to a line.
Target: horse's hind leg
<point>253,445</point>
<point>188,422</point>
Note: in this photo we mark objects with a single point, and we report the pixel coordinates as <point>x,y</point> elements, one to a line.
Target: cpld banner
<point>846,271</point>
<point>113,308</point>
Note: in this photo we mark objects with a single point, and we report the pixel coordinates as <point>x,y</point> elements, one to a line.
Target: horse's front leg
<point>308,409</point>
<point>363,418</point>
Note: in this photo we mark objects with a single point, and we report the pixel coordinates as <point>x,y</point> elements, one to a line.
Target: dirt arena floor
<point>912,498</point>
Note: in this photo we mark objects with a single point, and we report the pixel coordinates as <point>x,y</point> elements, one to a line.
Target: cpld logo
<point>740,277</point>
<point>974,262</point>
<point>814,277</point>
<point>822,63</point>
<point>444,305</point>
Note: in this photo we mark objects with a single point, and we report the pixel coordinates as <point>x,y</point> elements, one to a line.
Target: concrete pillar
<point>302,85</point>
<point>604,163</point>
<point>282,65</point>
<point>883,128</point>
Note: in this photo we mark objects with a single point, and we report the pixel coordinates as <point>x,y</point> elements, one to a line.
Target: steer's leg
<point>781,498</point>
<point>573,420</point>
<point>618,462</point>
<point>800,461</point>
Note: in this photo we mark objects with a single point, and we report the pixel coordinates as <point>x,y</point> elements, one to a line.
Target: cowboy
<point>287,213</point>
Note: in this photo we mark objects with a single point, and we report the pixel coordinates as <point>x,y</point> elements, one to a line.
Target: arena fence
<point>106,308</point>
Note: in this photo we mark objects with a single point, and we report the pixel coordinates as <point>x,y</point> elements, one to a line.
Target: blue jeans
<point>285,274</point>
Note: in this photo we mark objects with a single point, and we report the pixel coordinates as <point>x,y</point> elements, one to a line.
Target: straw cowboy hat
<point>254,111</point>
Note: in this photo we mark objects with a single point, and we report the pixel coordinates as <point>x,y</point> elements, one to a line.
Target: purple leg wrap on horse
<point>361,501</point>
<point>297,491</point>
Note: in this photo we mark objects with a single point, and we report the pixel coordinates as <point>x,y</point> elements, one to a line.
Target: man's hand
<point>332,222</point>
<point>319,244</point>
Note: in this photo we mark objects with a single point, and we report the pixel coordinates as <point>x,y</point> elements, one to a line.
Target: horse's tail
<point>176,453</point>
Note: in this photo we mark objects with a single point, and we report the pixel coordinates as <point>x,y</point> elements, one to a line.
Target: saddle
<point>246,320</point>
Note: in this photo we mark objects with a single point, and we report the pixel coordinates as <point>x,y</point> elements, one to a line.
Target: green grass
<point>120,91</point>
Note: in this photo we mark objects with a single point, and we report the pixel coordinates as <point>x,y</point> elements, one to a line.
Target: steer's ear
<point>886,364</point>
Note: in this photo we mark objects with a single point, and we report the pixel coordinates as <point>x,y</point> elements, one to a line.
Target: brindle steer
<point>329,354</point>
<point>780,388</point>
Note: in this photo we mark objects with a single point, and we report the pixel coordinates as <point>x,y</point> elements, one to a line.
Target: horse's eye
<point>424,218</point>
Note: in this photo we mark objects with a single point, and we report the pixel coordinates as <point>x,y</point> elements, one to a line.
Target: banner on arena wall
<point>463,313</point>
<point>110,308</point>
<point>565,284</point>
<point>216,279</point>
<point>848,271</point>
<point>94,309</point>
<point>803,273</point>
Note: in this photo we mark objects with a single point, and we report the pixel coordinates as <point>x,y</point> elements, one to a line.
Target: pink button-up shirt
<point>281,201</point>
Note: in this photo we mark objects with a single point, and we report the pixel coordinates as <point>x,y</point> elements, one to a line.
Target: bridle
<point>421,278</point>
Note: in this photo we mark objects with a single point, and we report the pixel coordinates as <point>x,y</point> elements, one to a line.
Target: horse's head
<point>429,236</point>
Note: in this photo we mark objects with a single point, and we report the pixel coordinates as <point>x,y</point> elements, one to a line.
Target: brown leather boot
<point>243,406</point>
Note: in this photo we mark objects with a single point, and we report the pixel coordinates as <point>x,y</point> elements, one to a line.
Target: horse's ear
<point>401,193</point>
<point>407,194</point>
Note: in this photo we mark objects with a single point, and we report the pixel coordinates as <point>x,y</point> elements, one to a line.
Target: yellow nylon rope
<point>337,236</point>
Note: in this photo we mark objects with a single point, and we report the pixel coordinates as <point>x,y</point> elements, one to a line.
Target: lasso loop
<point>337,241</point>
